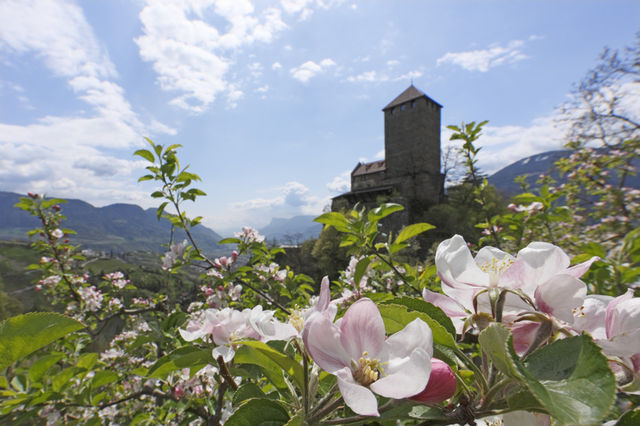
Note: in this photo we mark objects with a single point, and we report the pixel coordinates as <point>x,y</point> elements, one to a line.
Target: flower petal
<point>612,318</point>
<point>457,269</point>
<point>359,398</point>
<point>544,260</point>
<point>322,339</point>
<point>225,351</point>
<point>325,295</point>
<point>414,335</point>
<point>452,308</point>
<point>405,376</point>
<point>362,329</point>
<point>560,295</point>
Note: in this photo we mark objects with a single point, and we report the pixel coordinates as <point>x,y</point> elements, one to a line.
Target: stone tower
<point>410,173</point>
<point>412,145</point>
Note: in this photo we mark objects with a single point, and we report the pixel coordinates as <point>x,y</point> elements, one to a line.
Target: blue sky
<point>275,101</point>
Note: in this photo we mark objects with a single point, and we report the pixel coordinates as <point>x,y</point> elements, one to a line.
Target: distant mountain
<point>292,231</point>
<point>532,167</point>
<point>117,227</point>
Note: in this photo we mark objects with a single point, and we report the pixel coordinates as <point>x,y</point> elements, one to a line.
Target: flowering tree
<point>497,336</point>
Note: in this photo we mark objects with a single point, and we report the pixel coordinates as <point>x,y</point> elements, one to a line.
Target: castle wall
<point>367,181</point>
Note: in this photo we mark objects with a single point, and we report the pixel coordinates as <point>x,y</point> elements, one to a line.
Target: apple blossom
<point>614,324</point>
<point>319,304</point>
<point>227,326</point>
<point>357,353</point>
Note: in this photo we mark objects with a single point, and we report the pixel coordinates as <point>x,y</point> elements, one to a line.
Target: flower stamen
<point>495,268</point>
<point>367,370</point>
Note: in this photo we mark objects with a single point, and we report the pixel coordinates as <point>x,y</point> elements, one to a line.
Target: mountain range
<point>128,227</point>
<point>117,227</point>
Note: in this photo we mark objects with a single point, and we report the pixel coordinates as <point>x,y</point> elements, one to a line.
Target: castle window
<point>393,110</point>
<point>413,104</point>
<point>402,108</point>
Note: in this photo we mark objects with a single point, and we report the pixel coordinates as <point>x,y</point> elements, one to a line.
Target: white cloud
<point>340,183</point>
<point>484,59</point>
<point>292,199</point>
<point>310,69</point>
<point>374,76</point>
<point>502,145</point>
<point>368,77</point>
<point>192,56</point>
<point>276,66</point>
<point>68,155</point>
<point>304,8</point>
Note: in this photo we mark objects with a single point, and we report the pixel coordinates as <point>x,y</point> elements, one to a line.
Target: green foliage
<point>24,334</point>
<point>570,378</point>
<point>259,411</point>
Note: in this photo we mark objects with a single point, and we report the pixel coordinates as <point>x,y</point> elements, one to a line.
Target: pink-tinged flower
<point>57,233</point>
<point>175,251</point>
<point>540,270</point>
<point>441,386</point>
<point>364,362</point>
<point>319,305</point>
<point>227,326</point>
<point>454,310</point>
<point>249,235</point>
<point>614,323</point>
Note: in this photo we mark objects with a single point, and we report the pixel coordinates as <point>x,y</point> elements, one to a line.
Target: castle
<point>410,173</point>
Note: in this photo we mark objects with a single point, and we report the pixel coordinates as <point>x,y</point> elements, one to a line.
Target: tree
<point>604,106</point>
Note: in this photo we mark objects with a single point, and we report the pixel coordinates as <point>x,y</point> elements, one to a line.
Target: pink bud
<point>220,288</point>
<point>441,385</point>
<point>178,392</point>
<point>234,255</point>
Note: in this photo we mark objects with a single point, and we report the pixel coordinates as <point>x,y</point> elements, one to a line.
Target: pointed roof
<point>409,94</point>
<point>367,168</point>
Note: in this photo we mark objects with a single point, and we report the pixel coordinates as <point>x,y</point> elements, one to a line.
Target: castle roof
<point>367,168</point>
<point>409,94</point>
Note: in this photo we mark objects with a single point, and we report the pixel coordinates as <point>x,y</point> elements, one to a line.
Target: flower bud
<point>441,385</point>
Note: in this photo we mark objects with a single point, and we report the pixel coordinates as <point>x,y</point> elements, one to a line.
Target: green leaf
<point>146,154</point>
<point>102,378</point>
<point>190,357</point>
<point>38,368</point>
<point>271,370</point>
<point>157,194</point>
<point>145,177</point>
<point>383,211</point>
<point>630,418</point>
<point>259,412</point>
<point>161,209</point>
<point>412,230</point>
<point>361,268</point>
<point>291,367</point>
<point>335,219</point>
<point>63,378</point>
<point>24,334</point>
<point>231,240</point>
<point>430,309</point>
<point>570,378</point>
<point>247,391</point>
<point>87,360</point>
<point>396,317</point>
<point>577,385</point>
<point>496,342</point>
